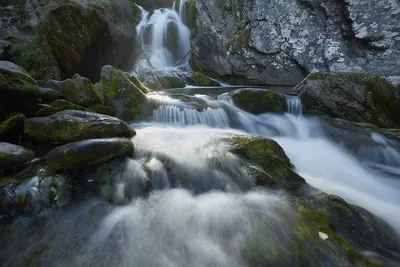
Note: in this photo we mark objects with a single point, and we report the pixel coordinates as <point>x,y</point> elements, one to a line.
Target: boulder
<point>84,36</point>
<point>358,226</point>
<point>78,90</point>
<point>13,157</point>
<point>101,109</point>
<point>12,125</point>
<point>71,126</point>
<point>351,96</point>
<point>268,163</point>
<point>123,93</point>
<point>86,153</point>
<point>49,95</point>
<point>4,49</point>
<point>259,101</point>
<point>199,79</point>
<point>4,89</point>
<point>59,105</point>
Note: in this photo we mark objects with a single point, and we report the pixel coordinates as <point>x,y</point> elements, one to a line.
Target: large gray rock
<point>350,96</point>
<point>280,41</point>
<point>71,126</point>
<point>86,153</point>
<point>13,157</point>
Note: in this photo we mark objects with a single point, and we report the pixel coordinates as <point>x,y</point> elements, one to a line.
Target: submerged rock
<point>123,93</point>
<point>351,96</point>
<point>259,101</point>
<point>78,90</point>
<point>12,125</point>
<point>13,157</point>
<point>71,126</point>
<point>269,164</point>
<point>86,153</point>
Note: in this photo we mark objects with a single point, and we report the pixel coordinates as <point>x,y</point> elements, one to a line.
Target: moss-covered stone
<point>101,109</point>
<point>73,32</point>
<point>35,57</point>
<point>13,157</point>
<point>71,126</point>
<point>259,101</point>
<point>86,153</point>
<point>78,90</point>
<point>12,125</point>
<point>123,93</point>
<point>59,105</point>
<point>170,81</point>
<point>351,96</point>
<point>199,79</point>
<point>271,167</point>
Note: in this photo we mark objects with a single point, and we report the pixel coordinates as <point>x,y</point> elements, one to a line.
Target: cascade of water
<point>167,37</point>
<point>185,116</point>
<point>294,105</point>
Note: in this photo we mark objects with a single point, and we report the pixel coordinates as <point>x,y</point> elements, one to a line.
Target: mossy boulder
<point>23,90</point>
<point>49,95</point>
<point>358,226</point>
<point>73,32</point>
<point>351,96</point>
<point>259,101</point>
<point>78,90</point>
<point>12,125</point>
<point>86,153</point>
<point>268,163</point>
<point>199,79</point>
<point>123,93</point>
<point>71,126</point>
<point>101,109</point>
<point>169,81</point>
<point>13,157</point>
<point>59,105</point>
<point>4,88</point>
<point>35,57</point>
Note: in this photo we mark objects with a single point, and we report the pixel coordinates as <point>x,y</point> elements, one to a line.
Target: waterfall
<point>186,116</point>
<point>294,105</point>
<point>165,37</point>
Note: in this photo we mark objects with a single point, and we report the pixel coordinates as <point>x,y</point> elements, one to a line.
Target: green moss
<point>7,181</point>
<point>274,166</point>
<point>199,79</point>
<point>35,57</point>
<point>12,124</point>
<point>259,101</point>
<point>101,109</point>
<point>59,105</point>
<point>317,76</point>
<point>191,13</point>
<point>123,93</point>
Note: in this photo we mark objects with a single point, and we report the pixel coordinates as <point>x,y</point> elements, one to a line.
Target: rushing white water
<point>167,37</point>
<point>294,105</point>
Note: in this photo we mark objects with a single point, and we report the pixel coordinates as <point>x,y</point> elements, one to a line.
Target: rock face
<point>269,164</point>
<point>354,97</point>
<point>259,101</point>
<point>84,36</point>
<point>13,157</point>
<point>71,126</point>
<point>86,153</point>
<point>123,93</point>
<point>280,41</point>
<point>78,90</point>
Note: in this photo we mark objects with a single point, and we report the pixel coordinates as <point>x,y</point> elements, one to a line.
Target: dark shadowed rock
<point>12,125</point>
<point>49,95</point>
<point>71,126</point>
<point>59,105</point>
<point>86,153</point>
<point>13,157</point>
<point>259,101</point>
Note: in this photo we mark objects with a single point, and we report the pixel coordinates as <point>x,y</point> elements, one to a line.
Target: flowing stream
<point>203,206</point>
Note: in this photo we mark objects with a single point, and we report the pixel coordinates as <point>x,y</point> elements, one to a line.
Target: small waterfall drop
<point>294,105</point>
<point>165,37</point>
